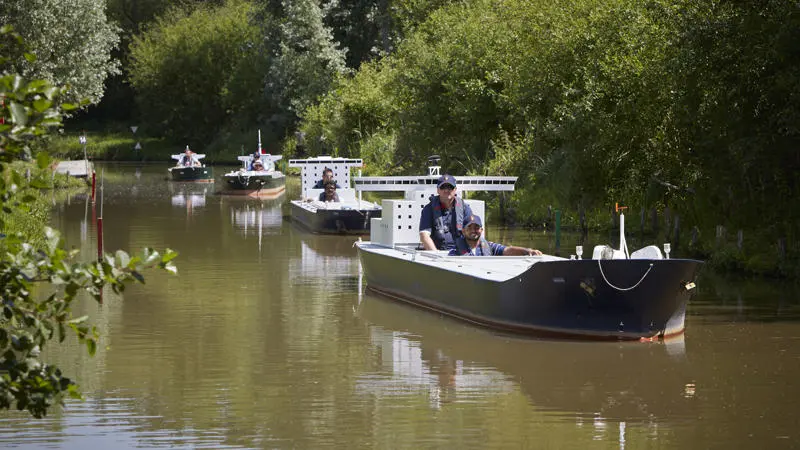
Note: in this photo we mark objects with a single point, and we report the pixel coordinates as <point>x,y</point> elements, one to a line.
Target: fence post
<point>654,220</point>
<point>667,223</point>
<point>641,222</point>
<point>558,232</point>
<point>739,239</point>
<point>720,235</point>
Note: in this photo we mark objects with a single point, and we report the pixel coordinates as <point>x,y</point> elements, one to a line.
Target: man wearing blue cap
<point>472,243</point>
<point>442,219</point>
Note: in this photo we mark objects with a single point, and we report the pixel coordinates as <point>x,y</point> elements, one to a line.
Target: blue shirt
<point>495,248</point>
<point>449,218</point>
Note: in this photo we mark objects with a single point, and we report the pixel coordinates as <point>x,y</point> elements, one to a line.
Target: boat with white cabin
<point>613,295</point>
<point>190,169</point>
<point>258,176</point>
<point>349,215</point>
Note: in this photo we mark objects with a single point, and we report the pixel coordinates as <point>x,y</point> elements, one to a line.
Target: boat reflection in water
<point>326,261</point>
<point>255,217</point>
<point>188,195</point>
<point>588,383</point>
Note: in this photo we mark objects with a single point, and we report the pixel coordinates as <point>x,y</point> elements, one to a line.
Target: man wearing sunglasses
<point>472,243</point>
<point>442,219</point>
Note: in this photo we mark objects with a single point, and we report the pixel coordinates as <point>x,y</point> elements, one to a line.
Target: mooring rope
<point>599,264</point>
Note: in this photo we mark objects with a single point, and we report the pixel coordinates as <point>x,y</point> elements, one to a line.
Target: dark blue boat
<point>545,295</point>
<point>614,295</point>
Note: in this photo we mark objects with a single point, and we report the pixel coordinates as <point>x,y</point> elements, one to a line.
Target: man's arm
<point>425,225</point>
<point>427,242</point>
<point>512,250</point>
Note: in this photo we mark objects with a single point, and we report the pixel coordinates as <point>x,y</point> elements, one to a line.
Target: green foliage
<point>352,112</point>
<point>304,61</point>
<point>690,105</point>
<point>194,69</point>
<point>72,41</point>
<point>29,322</point>
<point>111,146</point>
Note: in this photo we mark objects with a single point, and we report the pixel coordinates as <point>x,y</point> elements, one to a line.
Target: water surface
<point>266,339</point>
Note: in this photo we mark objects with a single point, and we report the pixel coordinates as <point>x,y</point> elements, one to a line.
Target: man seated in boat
<point>442,219</point>
<point>257,165</point>
<point>329,195</point>
<point>188,159</point>
<point>472,243</point>
<point>327,175</point>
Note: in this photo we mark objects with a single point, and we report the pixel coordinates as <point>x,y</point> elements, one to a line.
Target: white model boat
<point>350,215</point>
<point>257,177</point>
<point>614,295</point>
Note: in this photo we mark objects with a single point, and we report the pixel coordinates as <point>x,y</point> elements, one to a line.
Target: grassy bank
<point>51,189</point>
<point>118,143</point>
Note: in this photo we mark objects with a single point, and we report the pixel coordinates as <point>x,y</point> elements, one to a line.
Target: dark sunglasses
<point>447,187</point>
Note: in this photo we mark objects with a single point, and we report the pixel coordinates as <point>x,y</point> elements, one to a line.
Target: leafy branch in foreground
<point>30,317</point>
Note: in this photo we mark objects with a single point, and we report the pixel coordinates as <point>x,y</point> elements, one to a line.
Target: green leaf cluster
<point>651,103</point>
<point>72,41</point>
<point>30,318</point>
<point>195,69</point>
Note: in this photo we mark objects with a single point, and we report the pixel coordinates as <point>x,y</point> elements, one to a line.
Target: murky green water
<point>265,340</point>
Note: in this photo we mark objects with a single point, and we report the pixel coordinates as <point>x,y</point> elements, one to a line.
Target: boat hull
<point>335,220</point>
<point>564,298</point>
<point>266,185</point>
<point>192,174</point>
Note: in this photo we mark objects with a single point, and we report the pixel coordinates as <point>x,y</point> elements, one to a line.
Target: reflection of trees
<point>263,349</point>
<point>596,390</point>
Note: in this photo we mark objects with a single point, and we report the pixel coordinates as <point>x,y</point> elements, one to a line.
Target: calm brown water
<point>266,340</point>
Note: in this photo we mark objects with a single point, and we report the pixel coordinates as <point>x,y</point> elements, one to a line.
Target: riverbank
<point>118,144</point>
<point>743,251</point>
<point>44,190</point>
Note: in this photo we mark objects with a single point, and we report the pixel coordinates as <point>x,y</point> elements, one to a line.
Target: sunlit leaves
<point>18,114</point>
<point>28,322</point>
<point>72,40</point>
<point>189,62</point>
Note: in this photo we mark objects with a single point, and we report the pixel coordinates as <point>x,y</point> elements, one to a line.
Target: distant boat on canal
<point>190,169</point>
<point>347,214</point>
<point>257,177</point>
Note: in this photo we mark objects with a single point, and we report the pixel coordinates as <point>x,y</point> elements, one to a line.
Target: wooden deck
<point>80,168</point>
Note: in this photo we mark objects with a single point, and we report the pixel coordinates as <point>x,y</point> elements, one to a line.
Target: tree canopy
<point>72,41</point>
<point>39,280</point>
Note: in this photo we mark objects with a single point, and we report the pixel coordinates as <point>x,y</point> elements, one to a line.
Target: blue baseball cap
<point>473,219</point>
<point>446,179</point>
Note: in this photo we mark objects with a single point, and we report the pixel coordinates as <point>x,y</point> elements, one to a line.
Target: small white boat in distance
<point>257,177</point>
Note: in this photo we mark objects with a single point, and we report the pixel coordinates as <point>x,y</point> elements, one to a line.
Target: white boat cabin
<point>195,157</point>
<point>311,172</point>
<point>267,161</point>
<point>399,223</point>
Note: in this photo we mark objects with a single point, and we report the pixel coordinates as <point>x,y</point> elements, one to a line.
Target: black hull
<point>255,185</point>
<point>335,221</point>
<point>192,174</point>
<point>554,298</point>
